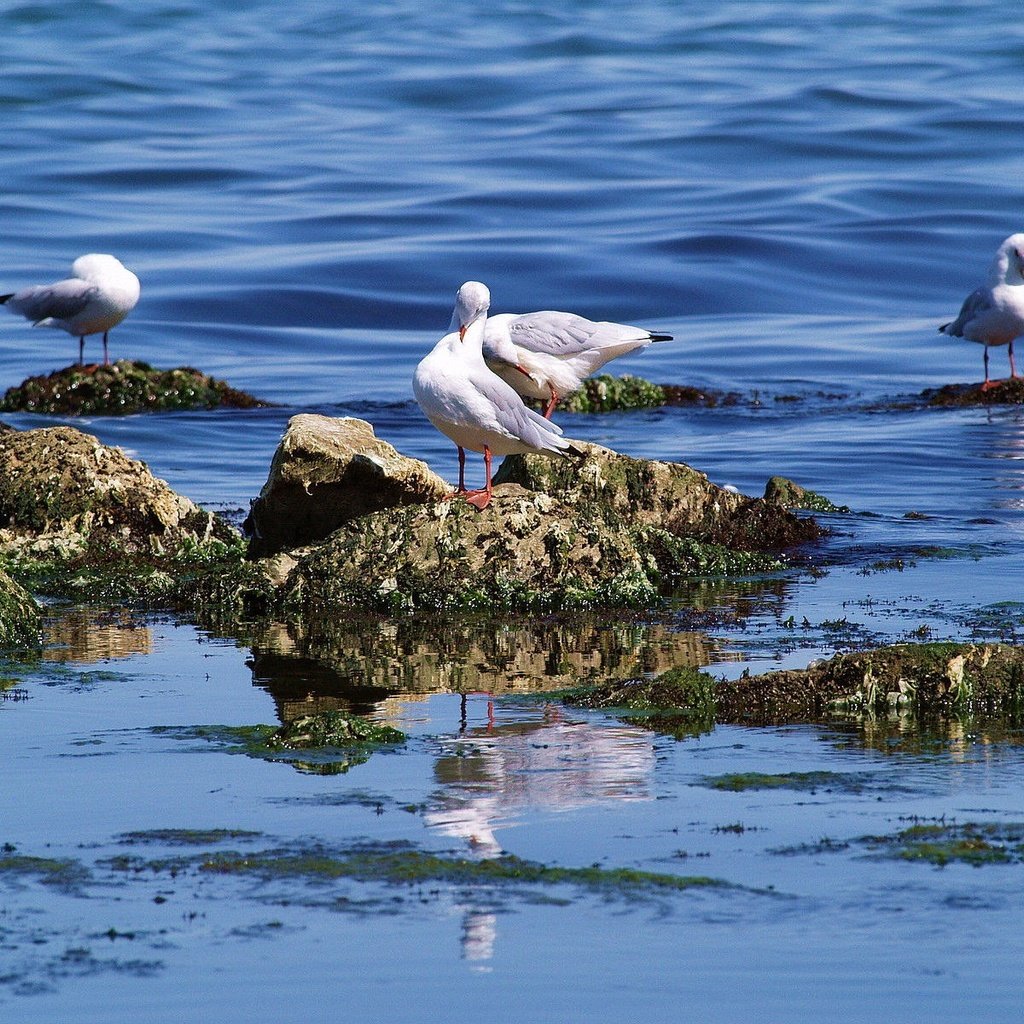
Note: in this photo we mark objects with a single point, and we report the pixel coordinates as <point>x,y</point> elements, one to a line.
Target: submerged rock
<point>602,530</point>
<point>327,471</point>
<point>122,388</point>
<point>19,615</point>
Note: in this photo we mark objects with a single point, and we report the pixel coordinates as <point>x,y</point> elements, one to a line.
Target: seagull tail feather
<point>4,298</point>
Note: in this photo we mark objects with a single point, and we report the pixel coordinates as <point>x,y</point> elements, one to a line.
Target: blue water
<point>800,192</point>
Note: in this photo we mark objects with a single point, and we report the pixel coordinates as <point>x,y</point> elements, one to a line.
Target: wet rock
<point>605,393</point>
<point>327,471</point>
<point>82,519</point>
<point>781,491</point>
<point>938,679</point>
<point>122,388</point>
<point>957,396</point>
<point>604,530</point>
<point>19,616</point>
<point>61,486</point>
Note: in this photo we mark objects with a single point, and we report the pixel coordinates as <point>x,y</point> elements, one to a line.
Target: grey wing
<point>515,418</point>
<point>567,334</point>
<point>976,304</point>
<point>553,333</point>
<point>63,300</point>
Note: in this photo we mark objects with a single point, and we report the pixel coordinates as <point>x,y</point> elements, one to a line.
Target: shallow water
<point>800,192</point>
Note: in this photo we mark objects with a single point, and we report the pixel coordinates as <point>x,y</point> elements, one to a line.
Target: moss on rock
<point>19,616</point>
<point>122,388</point>
<point>937,678</point>
<point>605,393</point>
<point>603,530</point>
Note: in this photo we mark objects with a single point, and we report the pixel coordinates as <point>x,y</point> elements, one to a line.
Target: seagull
<point>100,293</point>
<point>473,406</point>
<point>994,313</point>
<point>546,355</point>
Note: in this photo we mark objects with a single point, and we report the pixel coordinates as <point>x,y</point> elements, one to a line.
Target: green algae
<point>123,388</point>
<point>605,393</point>
<point>332,729</point>
<point>326,744</point>
<point>783,491</point>
<point>402,864</point>
<point>741,782</point>
<point>187,836</point>
<point>62,873</point>
<point>942,843</point>
<point>680,701</point>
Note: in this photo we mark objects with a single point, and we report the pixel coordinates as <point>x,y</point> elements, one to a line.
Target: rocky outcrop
<point>937,679</point>
<point>60,489</point>
<point>600,530</point>
<point>326,472</point>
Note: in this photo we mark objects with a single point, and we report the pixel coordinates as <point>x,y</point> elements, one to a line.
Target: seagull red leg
<point>482,498</point>
<point>1013,369</point>
<point>552,402</point>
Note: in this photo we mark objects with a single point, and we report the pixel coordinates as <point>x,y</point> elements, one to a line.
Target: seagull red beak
<point>522,369</point>
<point>462,333</point>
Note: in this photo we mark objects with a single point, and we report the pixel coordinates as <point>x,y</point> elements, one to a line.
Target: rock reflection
<point>86,635</point>
<point>358,664</point>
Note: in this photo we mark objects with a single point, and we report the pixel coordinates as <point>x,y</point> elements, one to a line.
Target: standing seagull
<point>472,406</point>
<point>994,313</point>
<point>546,355</point>
<point>100,293</point>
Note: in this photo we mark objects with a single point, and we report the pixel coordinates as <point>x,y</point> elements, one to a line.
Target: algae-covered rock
<point>938,678</point>
<point>603,530</point>
<point>781,491</point>
<point>605,393</point>
<point>957,396</point>
<point>327,471</point>
<point>80,518</point>
<point>337,729</point>
<point>923,679</point>
<point>19,615</point>
<point>122,388</point>
<point>62,483</point>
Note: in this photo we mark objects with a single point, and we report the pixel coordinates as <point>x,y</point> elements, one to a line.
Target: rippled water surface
<point>800,192</point>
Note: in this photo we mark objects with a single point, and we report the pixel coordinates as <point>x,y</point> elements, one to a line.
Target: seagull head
<point>472,301</point>
<point>1009,262</point>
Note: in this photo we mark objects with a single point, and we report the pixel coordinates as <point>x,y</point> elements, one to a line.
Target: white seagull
<point>994,313</point>
<point>473,406</point>
<point>100,293</point>
<point>546,355</point>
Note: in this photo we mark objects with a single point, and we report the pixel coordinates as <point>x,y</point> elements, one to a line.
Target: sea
<point>800,192</point>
